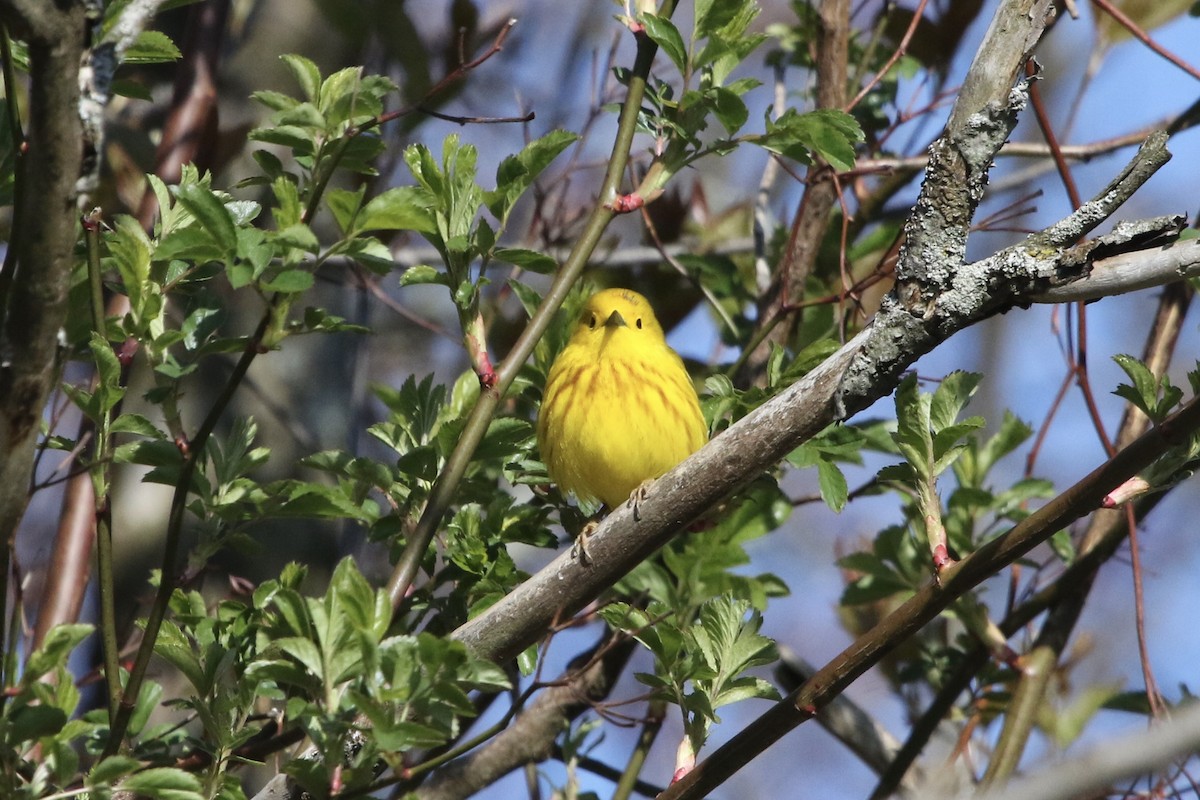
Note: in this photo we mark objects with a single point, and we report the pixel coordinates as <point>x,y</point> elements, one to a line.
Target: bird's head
<point>617,315</point>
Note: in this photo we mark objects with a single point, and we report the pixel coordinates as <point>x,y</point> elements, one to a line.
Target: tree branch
<point>1091,774</point>
<point>532,735</point>
<point>1130,272</point>
<point>778,309</point>
<point>33,305</point>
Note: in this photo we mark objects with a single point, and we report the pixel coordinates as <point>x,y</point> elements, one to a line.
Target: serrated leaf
<point>344,205</point>
<point>399,208</point>
<point>299,236</point>
<point>276,101</point>
<point>517,173</point>
<point>667,37</point>
<point>712,15</point>
<point>951,396</point>
<point>290,281</point>
<point>111,769</point>
<point>423,274</point>
<point>304,651</point>
<point>151,47</point>
<point>299,140</point>
<point>306,74</point>
<point>530,260</point>
<point>829,133</point>
<point>56,648</point>
<point>166,783</point>
<point>135,424</point>
<point>208,209</point>
<point>729,110</point>
<point>832,482</point>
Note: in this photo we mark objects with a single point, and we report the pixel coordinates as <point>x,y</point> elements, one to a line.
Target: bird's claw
<point>637,496</point>
<point>579,548</point>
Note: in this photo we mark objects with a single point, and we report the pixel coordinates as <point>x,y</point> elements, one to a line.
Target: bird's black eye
<point>592,321</point>
<point>639,323</point>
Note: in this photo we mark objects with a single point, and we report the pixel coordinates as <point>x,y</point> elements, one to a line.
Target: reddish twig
<point>453,75</point>
<point>1139,34</point>
<point>901,49</point>
<point>529,117</point>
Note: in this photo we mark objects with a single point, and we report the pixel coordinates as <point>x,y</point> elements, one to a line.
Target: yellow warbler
<point>619,408</point>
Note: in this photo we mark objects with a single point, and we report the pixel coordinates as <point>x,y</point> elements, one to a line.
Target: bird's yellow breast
<point>619,407</point>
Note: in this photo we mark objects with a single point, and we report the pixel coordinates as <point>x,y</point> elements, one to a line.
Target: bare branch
<point>1125,757</point>
<point>532,735</point>
<point>33,303</point>
<point>1129,272</point>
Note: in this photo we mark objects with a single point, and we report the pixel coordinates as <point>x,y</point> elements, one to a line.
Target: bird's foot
<point>637,496</point>
<point>579,548</point>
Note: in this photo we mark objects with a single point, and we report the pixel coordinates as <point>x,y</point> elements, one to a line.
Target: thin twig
<point>1145,38</point>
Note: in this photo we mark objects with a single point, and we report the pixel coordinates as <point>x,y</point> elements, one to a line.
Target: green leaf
<point>208,209</point>
<point>951,397</point>
<point>55,650</point>
<point>834,490</point>
<point>151,47</point>
<point>1135,702</point>
<point>873,588</point>
<point>137,425</point>
<point>667,36</point>
<point>423,274</point>
<point>290,281</point>
<point>130,249</point>
<point>166,783</point>
<point>109,390</point>
<point>1062,546</point>
<point>122,87</point>
<point>530,260</point>
<point>30,723</point>
<point>305,652</point>
<point>730,110</point>
<point>276,101</point>
<point>299,236</point>
<point>712,15</point>
<point>912,435</point>
<point>829,133</point>
<point>401,208</point>
<point>306,74</point>
<point>1155,398</point>
<point>111,770</point>
<point>344,206</point>
<point>300,141</point>
<point>518,172</point>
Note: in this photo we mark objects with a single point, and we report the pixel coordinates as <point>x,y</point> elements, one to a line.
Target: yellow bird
<point>619,408</point>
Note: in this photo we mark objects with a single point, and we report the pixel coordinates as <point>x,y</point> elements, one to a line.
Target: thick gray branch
<point>1009,41</point>
<point>965,294</point>
<point>1094,773</point>
<point>1129,272</point>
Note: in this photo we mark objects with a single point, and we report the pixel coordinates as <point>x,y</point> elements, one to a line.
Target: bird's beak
<point>615,320</point>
